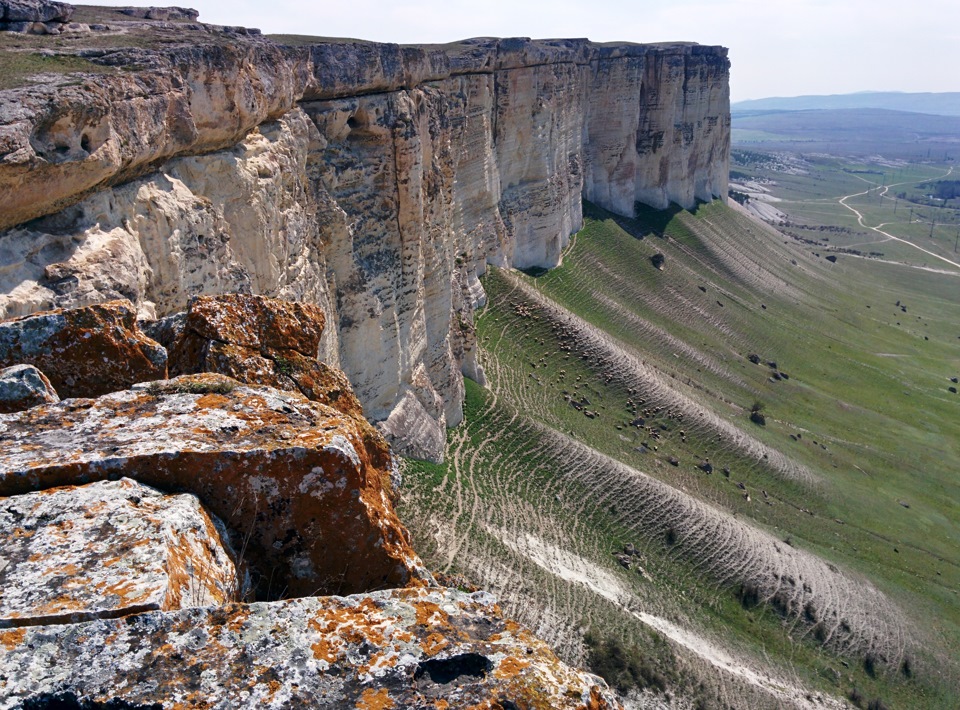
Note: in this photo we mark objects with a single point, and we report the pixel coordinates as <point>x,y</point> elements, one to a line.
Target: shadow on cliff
<point>646,220</point>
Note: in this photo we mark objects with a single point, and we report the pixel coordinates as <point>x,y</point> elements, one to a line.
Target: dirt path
<point>843,201</point>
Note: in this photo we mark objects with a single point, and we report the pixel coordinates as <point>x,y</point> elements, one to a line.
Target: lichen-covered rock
<point>85,352</point>
<point>261,341</point>
<point>106,550</point>
<point>303,488</point>
<point>423,648</point>
<point>24,386</point>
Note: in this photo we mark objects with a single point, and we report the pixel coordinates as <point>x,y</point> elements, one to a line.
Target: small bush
<point>624,667</point>
<point>856,697</point>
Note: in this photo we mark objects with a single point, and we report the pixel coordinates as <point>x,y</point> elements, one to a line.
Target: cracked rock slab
<point>400,648</point>
<point>108,549</point>
<point>303,488</point>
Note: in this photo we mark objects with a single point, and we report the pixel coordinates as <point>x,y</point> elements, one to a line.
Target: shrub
<point>624,667</point>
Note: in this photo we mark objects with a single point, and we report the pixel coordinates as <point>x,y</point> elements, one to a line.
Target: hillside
<point>808,555</point>
<point>849,131</point>
<point>944,104</point>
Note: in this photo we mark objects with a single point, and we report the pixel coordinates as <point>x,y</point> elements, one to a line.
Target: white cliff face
<point>388,181</point>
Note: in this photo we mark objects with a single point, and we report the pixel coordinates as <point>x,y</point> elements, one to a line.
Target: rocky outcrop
<point>24,386</point>
<point>303,488</point>
<point>113,594</point>
<point>107,550</point>
<point>84,352</point>
<point>261,341</point>
<point>424,648</point>
<point>374,180</point>
<point>34,16</point>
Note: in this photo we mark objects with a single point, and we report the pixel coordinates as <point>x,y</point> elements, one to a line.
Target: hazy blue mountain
<point>944,104</point>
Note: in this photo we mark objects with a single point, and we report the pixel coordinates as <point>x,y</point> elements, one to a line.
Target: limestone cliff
<point>374,180</point>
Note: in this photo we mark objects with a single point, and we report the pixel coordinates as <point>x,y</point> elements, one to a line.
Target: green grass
<point>877,430</point>
<point>19,66</point>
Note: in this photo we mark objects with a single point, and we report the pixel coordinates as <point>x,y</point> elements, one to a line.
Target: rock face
<point>303,488</point>
<point>424,648</point>
<point>374,180</point>
<point>84,352</point>
<point>107,550</point>
<point>35,11</point>
<point>261,341</point>
<point>24,386</point>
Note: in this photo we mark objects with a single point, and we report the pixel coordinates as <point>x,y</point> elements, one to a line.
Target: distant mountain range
<point>944,104</point>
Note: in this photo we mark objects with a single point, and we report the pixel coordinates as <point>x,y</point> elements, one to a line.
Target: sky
<point>777,47</point>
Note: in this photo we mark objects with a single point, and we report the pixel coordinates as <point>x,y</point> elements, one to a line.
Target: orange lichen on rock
<point>108,549</point>
<point>375,700</point>
<point>84,352</point>
<point>264,341</point>
<point>301,486</point>
<point>380,662</point>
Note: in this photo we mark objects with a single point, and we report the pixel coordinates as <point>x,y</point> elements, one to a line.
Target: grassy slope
<point>877,431</point>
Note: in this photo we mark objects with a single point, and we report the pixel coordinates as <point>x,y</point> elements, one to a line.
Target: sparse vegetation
<point>625,667</point>
<point>223,386</point>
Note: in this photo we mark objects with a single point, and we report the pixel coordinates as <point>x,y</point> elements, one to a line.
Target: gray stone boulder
<point>161,13</point>
<point>109,549</point>
<point>23,387</point>
<point>35,11</point>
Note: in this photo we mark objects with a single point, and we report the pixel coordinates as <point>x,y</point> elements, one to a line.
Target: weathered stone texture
<point>35,11</point>
<point>424,648</point>
<point>374,180</point>
<point>24,386</point>
<point>303,488</point>
<point>262,341</point>
<point>106,550</point>
<point>84,352</point>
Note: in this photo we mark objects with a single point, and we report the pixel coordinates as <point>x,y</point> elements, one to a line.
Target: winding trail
<point>843,201</point>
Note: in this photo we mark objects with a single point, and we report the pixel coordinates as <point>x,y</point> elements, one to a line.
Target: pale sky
<point>777,47</point>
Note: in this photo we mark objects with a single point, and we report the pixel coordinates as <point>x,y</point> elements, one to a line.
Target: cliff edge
<point>155,160</point>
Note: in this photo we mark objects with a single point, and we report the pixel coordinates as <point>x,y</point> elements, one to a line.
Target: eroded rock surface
<point>84,352</point>
<point>109,549</point>
<point>262,341</point>
<point>303,488</point>
<point>436,648</point>
<point>24,386</point>
<point>374,180</point>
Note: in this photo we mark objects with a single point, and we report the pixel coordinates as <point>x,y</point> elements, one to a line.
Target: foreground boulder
<point>24,386</point>
<point>424,648</point>
<point>303,488</point>
<point>108,549</point>
<point>263,341</point>
<point>85,352</point>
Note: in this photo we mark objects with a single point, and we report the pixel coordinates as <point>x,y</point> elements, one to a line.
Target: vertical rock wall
<point>399,173</point>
